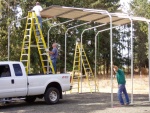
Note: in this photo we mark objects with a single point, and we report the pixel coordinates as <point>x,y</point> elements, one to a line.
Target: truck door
<point>20,81</point>
<point>7,87</point>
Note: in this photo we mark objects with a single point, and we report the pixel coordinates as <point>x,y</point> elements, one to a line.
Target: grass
<point>140,85</point>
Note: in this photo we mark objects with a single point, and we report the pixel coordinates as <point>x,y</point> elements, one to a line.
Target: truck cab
<point>13,80</point>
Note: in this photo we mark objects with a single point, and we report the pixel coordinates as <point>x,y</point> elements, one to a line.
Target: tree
<point>141,8</point>
<point>57,33</point>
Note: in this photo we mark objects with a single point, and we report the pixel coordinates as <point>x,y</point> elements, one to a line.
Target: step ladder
<point>76,73</point>
<point>32,25</point>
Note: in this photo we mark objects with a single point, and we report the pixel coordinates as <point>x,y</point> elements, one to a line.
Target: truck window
<point>5,71</point>
<point>17,69</point>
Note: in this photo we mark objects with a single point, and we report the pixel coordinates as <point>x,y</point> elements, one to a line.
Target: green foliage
<point>57,34</point>
<point>141,8</point>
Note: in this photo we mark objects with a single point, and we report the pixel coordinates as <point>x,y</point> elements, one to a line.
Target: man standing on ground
<point>37,10</point>
<point>121,85</point>
<point>54,55</point>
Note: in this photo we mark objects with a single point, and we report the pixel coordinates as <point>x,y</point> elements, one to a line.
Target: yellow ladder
<point>90,78</point>
<point>32,24</point>
<point>76,75</point>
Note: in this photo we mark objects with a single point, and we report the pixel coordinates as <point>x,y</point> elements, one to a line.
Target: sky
<point>125,5</point>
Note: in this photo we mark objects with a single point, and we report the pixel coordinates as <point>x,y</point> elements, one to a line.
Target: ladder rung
<point>41,45</point>
<point>24,60</point>
<point>25,48</point>
<point>41,48</point>
<point>27,35</point>
<point>26,41</point>
<point>44,60</point>
<point>43,54</point>
<point>24,54</point>
<point>87,68</point>
<point>40,42</point>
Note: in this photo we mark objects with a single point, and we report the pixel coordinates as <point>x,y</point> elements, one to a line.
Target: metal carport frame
<point>81,39</point>
<point>92,15</point>
<point>99,16</point>
<point>49,37</point>
<point>66,38</point>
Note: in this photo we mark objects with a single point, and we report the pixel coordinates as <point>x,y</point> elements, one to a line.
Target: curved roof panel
<point>100,16</point>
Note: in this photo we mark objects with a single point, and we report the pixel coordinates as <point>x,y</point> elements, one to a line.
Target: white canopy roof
<point>100,16</point>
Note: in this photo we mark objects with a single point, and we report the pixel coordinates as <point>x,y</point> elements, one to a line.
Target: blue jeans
<point>122,89</point>
<point>40,22</point>
<point>54,63</point>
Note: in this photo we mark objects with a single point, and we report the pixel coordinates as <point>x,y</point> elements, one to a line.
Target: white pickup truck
<point>15,83</point>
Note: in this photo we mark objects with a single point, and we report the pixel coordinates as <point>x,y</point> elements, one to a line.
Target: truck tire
<point>52,95</point>
<point>30,99</point>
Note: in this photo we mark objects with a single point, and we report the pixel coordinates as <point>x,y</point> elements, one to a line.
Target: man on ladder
<point>54,55</point>
<point>37,10</point>
<point>32,24</point>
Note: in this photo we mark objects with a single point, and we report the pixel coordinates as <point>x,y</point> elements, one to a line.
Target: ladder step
<point>24,54</point>
<point>25,48</point>
<point>41,48</point>
<point>44,54</point>
<point>27,35</point>
<point>85,64</point>
<point>44,60</point>
<point>41,45</point>
<point>28,29</point>
<point>24,60</point>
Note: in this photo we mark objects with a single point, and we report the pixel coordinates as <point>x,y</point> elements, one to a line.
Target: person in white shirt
<point>37,10</point>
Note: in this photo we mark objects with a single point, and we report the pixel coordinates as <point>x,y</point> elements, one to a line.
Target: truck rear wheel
<point>52,95</point>
<point>30,99</point>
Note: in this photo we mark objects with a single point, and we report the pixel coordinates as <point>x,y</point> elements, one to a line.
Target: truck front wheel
<point>52,95</point>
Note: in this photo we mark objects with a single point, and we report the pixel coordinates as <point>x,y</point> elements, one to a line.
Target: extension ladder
<point>76,73</point>
<point>33,24</point>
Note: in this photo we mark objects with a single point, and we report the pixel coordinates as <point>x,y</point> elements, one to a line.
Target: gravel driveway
<point>81,103</point>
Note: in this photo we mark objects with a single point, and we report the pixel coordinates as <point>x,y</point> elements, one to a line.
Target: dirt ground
<point>140,85</point>
<point>86,102</point>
